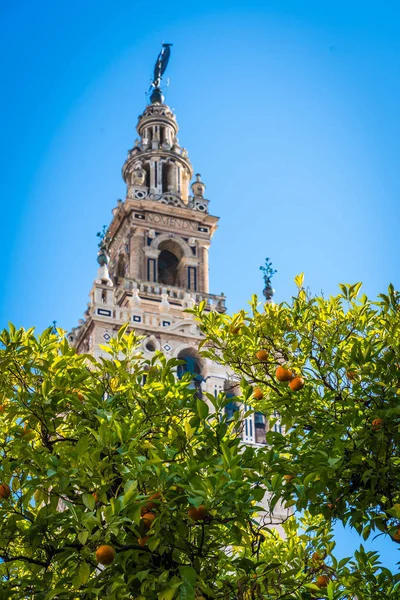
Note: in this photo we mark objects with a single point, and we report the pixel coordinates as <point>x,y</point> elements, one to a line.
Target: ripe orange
<point>377,424</point>
<point>5,491</point>
<point>331,506</point>
<point>150,505</point>
<point>148,519</point>
<point>288,478</point>
<point>105,555</point>
<point>351,375</point>
<point>296,384</point>
<point>234,329</point>
<point>322,581</point>
<point>396,536</point>
<point>197,514</point>
<point>262,355</point>
<point>316,556</point>
<point>142,541</point>
<point>26,429</point>
<point>258,393</point>
<point>95,496</point>
<point>2,409</point>
<point>283,374</point>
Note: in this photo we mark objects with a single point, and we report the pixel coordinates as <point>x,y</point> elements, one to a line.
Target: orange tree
<point>117,482</point>
<point>331,368</point>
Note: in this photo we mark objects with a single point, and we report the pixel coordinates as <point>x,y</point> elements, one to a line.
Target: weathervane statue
<point>268,273</point>
<point>159,70</point>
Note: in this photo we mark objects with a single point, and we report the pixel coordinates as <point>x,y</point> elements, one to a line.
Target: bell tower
<point>153,259</point>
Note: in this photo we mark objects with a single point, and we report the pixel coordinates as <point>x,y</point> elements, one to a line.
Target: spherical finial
<point>103,258</point>
<point>268,273</point>
<point>156,96</point>
<point>268,292</point>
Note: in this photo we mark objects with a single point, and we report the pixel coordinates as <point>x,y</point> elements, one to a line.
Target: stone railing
<point>174,295</point>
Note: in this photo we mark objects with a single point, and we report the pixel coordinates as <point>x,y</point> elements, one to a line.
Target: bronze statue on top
<point>159,70</point>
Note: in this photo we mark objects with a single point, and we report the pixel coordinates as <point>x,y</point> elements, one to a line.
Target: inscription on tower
<point>171,222</point>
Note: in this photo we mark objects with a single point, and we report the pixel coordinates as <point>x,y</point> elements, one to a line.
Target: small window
<point>230,410</point>
<point>150,346</point>
<point>191,366</point>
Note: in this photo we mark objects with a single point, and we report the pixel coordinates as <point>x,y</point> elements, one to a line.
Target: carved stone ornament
<point>138,176</point>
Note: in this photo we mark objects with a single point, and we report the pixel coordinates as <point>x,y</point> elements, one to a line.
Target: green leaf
<point>88,501</point>
<point>83,536</point>
<point>84,572</point>
<point>188,574</point>
<point>202,408</point>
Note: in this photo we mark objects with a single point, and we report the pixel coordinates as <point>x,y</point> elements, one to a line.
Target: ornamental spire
<point>159,70</point>
<point>268,273</point>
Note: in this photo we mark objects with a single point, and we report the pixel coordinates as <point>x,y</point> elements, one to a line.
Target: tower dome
<point>157,167</point>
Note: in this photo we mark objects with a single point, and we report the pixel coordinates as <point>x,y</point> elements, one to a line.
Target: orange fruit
<point>316,556</point>
<point>148,519</point>
<point>296,384</point>
<point>5,491</point>
<point>283,374</point>
<point>95,496</point>
<point>351,375</point>
<point>322,581</point>
<point>258,393</point>
<point>262,355</point>
<point>234,329</point>
<point>197,514</point>
<point>377,424</point>
<point>142,541</point>
<point>2,409</point>
<point>288,478</point>
<point>396,536</point>
<point>105,555</point>
<point>331,506</point>
<point>150,505</point>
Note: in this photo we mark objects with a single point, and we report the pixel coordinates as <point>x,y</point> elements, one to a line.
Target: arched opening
<point>168,262</point>
<point>192,366</point>
<point>165,176</point>
<point>146,168</point>
<point>121,267</point>
<point>167,268</point>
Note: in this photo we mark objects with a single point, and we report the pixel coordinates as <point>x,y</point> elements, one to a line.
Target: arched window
<point>167,268</point>
<point>121,267</point>
<point>192,366</point>
<point>165,176</point>
<point>231,408</point>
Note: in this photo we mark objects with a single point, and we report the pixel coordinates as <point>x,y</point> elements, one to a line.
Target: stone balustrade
<point>175,295</point>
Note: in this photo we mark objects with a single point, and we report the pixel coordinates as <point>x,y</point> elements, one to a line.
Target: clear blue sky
<point>289,111</point>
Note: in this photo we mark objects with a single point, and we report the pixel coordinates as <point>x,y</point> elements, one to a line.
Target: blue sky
<point>289,111</point>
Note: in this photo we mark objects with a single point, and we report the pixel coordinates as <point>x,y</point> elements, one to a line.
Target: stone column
<point>203,283</point>
<point>137,243</point>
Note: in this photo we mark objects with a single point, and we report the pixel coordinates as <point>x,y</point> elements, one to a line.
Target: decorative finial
<point>156,96</point>
<point>102,256</point>
<point>268,273</point>
<point>104,241</point>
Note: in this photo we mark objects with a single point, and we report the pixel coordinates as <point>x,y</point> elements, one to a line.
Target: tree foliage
<point>342,439</point>
<point>89,449</point>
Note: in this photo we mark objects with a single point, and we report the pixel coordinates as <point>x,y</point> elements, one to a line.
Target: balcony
<point>176,296</point>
